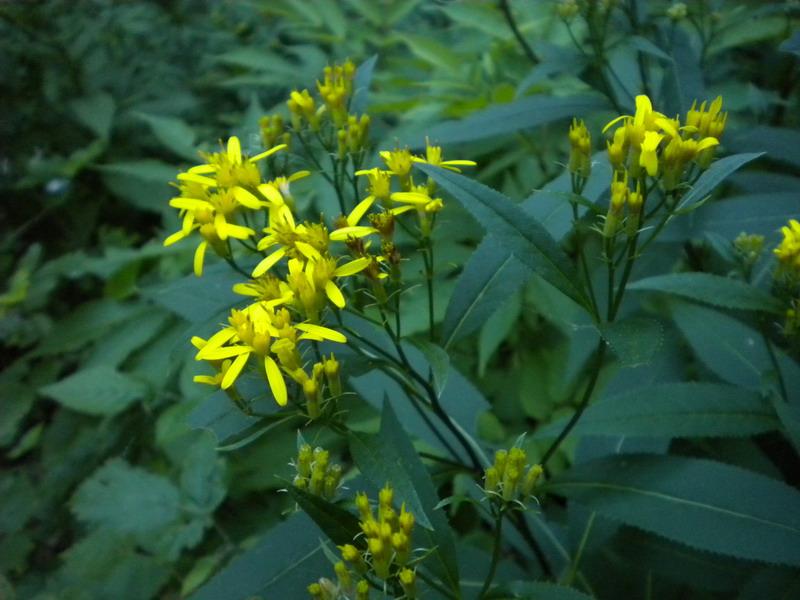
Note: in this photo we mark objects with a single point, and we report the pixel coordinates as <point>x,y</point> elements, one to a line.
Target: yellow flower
<point>433,156</point>
<point>789,250</point>
<point>398,161</point>
<point>229,168</point>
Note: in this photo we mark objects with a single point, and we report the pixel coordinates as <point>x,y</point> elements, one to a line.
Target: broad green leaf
<point>776,143</point>
<point>175,134</point>
<point>361,83</point>
<point>703,504</point>
<point>107,565</point>
<point>792,44</point>
<point>539,590</point>
<point>112,349</point>
<point>712,289</point>
<point>199,298</point>
<point>647,47</point>
<point>728,347</point>
<point>635,340</point>
<point>98,390</point>
<point>95,112</point>
<point>439,362</point>
<point>390,457</point>
<point>711,179</point>
<point>488,279</point>
<point>432,51</point>
<point>683,82</point>
<point>202,474</point>
<point>126,499</point>
<point>281,565</point>
<point>514,229</point>
<point>143,183</point>
<point>340,525</point>
<point>676,410</point>
<point>525,113</point>
<point>496,329</point>
<point>790,418</point>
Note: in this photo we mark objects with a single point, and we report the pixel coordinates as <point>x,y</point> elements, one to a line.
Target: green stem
<point>512,24</point>
<point>587,395</point>
<point>427,248</point>
<point>498,529</point>
<point>573,569</point>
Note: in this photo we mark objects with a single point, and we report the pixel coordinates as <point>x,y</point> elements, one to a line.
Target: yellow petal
<point>321,332</point>
<point>340,235</point>
<point>234,150</point>
<point>276,382</point>
<point>334,293</point>
<point>246,198</point>
<point>233,372</point>
<point>272,150</point>
<point>358,212</point>
<point>266,264</point>
<point>351,268</point>
<point>198,258</point>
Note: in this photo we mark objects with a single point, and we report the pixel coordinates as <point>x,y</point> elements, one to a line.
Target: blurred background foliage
<point>109,488</point>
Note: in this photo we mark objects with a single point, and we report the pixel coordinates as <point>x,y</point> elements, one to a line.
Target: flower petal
<point>266,264</point>
<point>276,382</point>
<point>234,371</point>
<point>198,258</point>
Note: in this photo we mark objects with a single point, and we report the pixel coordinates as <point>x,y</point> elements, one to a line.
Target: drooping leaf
<point>340,525</point>
<point>712,289</point>
<point>635,340</point>
<point>703,504</point>
<point>488,279</point>
<point>439,361</point>
<point>95,112</point>
<point>525,113</point>
<point>514,229</point>
<point>728,347</point>
<point>676,410</point>
<point>126,499</point>
<point>175,134</point>
<point>277,567</point>
<point>390,457</point>
<point>540,590</point>
<point>711,179</point>
<point>98,390</point>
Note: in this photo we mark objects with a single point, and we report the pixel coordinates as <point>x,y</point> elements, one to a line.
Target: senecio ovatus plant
<point>301,277</point>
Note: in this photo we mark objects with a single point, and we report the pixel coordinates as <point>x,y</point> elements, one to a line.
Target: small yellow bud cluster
<point>567,9</point>
<point>315,474</point>
<point>622,196</point>
<point>353,135</point>
<point>336,88</point>
<point>749,248</point>
<point>580,156</point>
<point>273,131</point>
<point>386,545</point>
<point>677,11</point>
<point>508,480</point>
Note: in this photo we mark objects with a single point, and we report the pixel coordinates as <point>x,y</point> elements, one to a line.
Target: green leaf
<point>199,298</point>
<point>676,410</point>
<point>635,340</point>
<point>175,134</point>
<point>526,113</point>
<point>361,83</point>
<point>281,565</point>
<point>712,289</point>
<point>711,179</point>
<point>777,143</point>
<point>95,112</point>
<point>432,51</point>
<point>792,44</point>
<point>539,590</point>
<point>439,361</point>
<point>390,457</point>
<point>728,347</point>
<point>97,391</point>
<point>789,415</point>
<point>340,525</point>
<point>700,503</point>
<point>490,276</point>
<point>514,229</point>
<point>126,499</point>
<point>683,81</point>
<point>496,329</point>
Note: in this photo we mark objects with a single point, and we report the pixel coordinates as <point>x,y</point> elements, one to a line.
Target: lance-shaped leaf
<point>676,410</point>
<point>514,229</point>
<point>703,504</point>
<point>712,289</point>
<point>715,175</point>
<point>340,525</point>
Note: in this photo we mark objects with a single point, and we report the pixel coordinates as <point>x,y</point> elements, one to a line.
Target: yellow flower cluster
<point>508,480</point>
<point>789,250</point>
<point>649,144</point>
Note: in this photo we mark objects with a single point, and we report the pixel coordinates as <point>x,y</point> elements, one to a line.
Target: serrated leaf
<point>514,229</point>
<point>790,419</point>
<point>676,410</point>
<point>340,525</point>
<point>199,298</point>
<point>526,113</point>
<point>439,362</point>
<point>277,567</point>
<point>712,289</point>
<point>126,499</point>
<point>540,590</point>
<point>390,457</point>
<point>175,134</point>
<point>635,340</point>
<point>728,347</point>
<point>97,391</point>
<point>711,179</point>
<point>703,504</point>
<point>490,276</point>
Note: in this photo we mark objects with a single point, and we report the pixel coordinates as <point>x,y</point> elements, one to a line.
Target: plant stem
<point>498,529</point>
<point>512,24</point>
